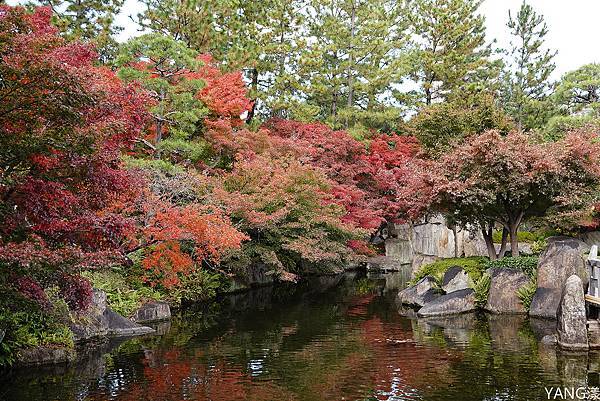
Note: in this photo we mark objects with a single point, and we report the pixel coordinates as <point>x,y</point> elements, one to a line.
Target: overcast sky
<point>573,27</point>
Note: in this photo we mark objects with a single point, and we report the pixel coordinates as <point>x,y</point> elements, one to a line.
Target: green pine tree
<point>527,78</point>
<point>355,55</point>
<point>452,55</point>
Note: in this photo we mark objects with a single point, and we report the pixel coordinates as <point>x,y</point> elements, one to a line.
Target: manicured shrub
<point>474,266</point>
<point>527,264</point>
<point>523,236</point>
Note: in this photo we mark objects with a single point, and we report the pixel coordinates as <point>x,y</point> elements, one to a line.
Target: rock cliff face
<point>428,240</point>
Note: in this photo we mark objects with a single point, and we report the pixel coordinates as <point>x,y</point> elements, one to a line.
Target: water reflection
<point>339,338</point>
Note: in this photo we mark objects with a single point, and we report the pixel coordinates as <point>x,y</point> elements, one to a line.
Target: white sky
<point>573,27</point>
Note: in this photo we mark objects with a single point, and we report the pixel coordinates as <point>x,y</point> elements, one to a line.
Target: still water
<point>336,338</point>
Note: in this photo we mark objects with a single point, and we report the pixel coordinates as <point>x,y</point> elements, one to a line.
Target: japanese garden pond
<point>334,338</point>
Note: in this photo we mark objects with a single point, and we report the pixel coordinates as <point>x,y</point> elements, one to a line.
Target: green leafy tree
<point>440,125</point>
<point>579,91</point>
<point>255,37</point>
<point>527,78</point>
<point>493,180</point>
<point>452,54</point>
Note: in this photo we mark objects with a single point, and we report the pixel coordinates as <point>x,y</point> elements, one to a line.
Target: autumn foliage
<point>492,180</point>
<point>67,201</point>
<point>64,122</point>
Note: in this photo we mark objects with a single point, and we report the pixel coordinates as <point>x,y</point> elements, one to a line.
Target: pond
<point>335,338</point>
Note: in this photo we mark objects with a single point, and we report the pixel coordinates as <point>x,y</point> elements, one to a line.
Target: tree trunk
<point>489,243</point>
<point>502,250</point>
<point>350,65</point>
<point>514,239</point>
<point>254,85</point>
<point>427,96</point>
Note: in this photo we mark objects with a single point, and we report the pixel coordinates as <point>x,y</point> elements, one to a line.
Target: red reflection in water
<point>372,358</point>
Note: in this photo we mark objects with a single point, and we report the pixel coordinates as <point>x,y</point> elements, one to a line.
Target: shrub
<point>474,266</point>
<point>76,291</point>
<point>527,264</point>
<point>526,293</point>
<point>481,288</point>
<point>26,324</point>
<point>122,294</point>
<point>200,285</point>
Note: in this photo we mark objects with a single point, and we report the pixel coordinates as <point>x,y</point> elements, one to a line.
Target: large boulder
<point>455,279</point>
<point>563,257</point>
<point>45,355</point>
<point>419,294</point>
<point>383,263</point>
<point>456,302</point>
<point>591,238</point>
<point>100,321</point>
<point>91,323</point>
<point>119,326</point>
<point>152,312</point>
<point>504,285</point>
<point>571,325</point>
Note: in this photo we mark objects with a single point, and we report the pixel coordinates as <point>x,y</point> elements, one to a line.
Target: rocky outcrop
<point>571,324</point>
<point>152,312</point>
<point>255,275</point>
<point>45,355</point>
<point>455,279</point>
<point>383,263</point>
<point>504,285</point>
<point>100,321</point>
<point>450,304</point>
<point>563,257</point>
<point>431,239</point>
<point>119,326</point>
<point>93,322</point>
<point>419,294</point>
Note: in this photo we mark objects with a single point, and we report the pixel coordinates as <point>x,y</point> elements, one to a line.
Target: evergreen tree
<point>356,53</point>
<point>165,67</point>
<point>452,54</point>
<point>256,37</point>
<point>527,80</point>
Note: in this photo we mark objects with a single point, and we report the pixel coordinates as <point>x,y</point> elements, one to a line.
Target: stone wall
<point>426,241</point>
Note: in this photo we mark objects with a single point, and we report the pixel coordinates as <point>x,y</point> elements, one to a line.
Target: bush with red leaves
<point>32,290</point>
<point>76,291</point>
